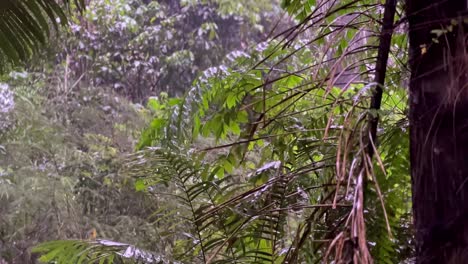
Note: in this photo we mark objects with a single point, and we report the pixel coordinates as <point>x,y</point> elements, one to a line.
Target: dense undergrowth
<point>184,132</point>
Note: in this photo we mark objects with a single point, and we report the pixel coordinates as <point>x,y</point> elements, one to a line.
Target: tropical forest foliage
<point>183,131</point>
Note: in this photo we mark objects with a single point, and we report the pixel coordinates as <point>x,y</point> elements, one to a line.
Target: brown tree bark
<point>439,129</point>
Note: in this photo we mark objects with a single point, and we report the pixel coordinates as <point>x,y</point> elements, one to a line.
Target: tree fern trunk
<point>439,128</point>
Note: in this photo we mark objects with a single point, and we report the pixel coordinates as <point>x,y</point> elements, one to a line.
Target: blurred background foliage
<point>191,132</point>
<point>141,47</point>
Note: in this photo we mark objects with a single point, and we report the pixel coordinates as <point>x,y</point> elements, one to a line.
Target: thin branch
<point>381,69</point>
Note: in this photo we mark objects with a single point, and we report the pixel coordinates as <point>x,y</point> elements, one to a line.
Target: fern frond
<point>100,251</point>
<point>154,166</point>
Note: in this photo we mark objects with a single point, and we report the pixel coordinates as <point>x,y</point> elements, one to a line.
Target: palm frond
<point>25,26</point>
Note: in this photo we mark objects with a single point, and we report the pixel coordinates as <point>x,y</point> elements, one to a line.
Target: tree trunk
<point>439,129</point>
